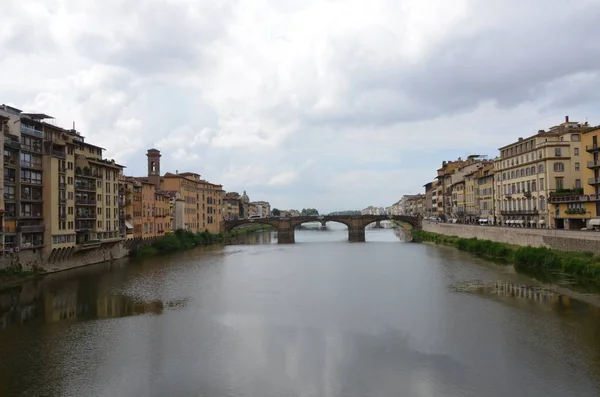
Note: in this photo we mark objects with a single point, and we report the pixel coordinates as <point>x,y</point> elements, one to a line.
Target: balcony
<point>29,181</point>
<point>508,195</point>
<point>37,198</point>
<point>62,200</point>
<point>594,181</point>
<point>82,201</point>
<point>31,228</point>
<point>31,131</point>
<point>62,170</point>
<point>62,217</point>
<point>527,193</point>
<point>59,154</point>
<point>575,211</point>
<point>519,212</point>
<point>85,216</point>
<point>87,187</point>
<point>27,215</point>
<point>33,148</point>
<point>87,173</point>
<point>8,160</point>
<point>576,198</point>
<point>62,185</point>
<point>13,144</point>
<point>592,148</point>
<point>29,164</point>
<point>593,164</point>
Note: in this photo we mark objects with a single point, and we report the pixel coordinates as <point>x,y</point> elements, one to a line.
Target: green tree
<point>276,212</point>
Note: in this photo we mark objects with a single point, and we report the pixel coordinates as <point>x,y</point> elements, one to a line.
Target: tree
<point>276,212</point>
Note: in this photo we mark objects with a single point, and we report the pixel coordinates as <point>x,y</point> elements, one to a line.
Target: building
<point>260,208</point>
<point>245,200</point>
<point>484,194</point>
<point>579,207</point>
<point>196,203</point>
<point>529,170</point>
<point>59,192</point>
<point>156,211</point>
<point>232,206</point>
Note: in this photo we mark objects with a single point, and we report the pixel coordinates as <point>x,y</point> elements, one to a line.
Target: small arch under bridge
<point>356,224</point>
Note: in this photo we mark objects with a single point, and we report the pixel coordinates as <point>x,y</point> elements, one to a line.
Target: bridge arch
<point>231,225</point>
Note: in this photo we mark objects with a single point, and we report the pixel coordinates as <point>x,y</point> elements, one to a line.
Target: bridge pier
<point>323,224</point>
<point>285,232</point>
<point>378,225</point>
<point>356,234</point>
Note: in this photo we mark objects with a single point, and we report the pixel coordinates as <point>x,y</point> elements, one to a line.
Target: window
<point>9,192</point>
<point>557,152</point>
<point>577,183</point>
<point>559,183</point>
<point>575,137</point>
<point>541,183</point>
<point>576,151</point>
<point>576,166</point>
<point>9,175</point>
<point>32,177</point>
<point>559,167</point>
<point>541,168</point>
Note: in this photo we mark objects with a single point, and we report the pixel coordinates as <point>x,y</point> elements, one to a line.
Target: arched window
<point>541,168</point>
<point>532,170</point>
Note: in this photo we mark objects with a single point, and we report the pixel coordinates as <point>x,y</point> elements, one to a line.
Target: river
<point>322,317</point>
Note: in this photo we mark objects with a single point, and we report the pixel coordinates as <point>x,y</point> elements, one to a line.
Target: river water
<point>322,317</point>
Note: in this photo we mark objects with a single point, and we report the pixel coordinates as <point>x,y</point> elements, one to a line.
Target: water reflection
<point>61,298</point>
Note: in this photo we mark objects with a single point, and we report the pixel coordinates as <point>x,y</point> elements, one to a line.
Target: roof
<point>37,116</point>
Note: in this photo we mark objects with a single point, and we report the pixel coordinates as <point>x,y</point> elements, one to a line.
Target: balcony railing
<point>62,185</point>
<point>594,181</point>
<point>31,228</point>
<point>593,164</point>
<point>31,131</point>
<point>31,215</point>
<point>519,212</point>
<point>9,160</point>
<point>82,201</point>
<point>574,198</point>
<point>592,148</point>
<point>85,215</point>
<point>12,144</point>
<point>59,154</point>
<point>575,211</point>
<point>31,198</point>
<point>62,200</point>
<point>85,186</point>
<point>62,170</point>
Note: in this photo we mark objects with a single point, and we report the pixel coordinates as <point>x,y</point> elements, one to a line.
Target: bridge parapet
<point>356,224</point>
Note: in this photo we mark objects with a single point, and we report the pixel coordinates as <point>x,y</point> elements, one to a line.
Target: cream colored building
<point>484,194</point>
<point>531,168</point>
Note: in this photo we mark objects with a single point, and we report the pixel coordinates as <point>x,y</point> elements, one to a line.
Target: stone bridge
<point>356,224</point>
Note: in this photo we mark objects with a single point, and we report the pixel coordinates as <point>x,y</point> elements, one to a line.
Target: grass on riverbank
<point>584,266</point>
<point>179,240</point>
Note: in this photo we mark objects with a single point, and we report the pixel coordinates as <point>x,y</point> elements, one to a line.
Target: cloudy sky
<point>333,104</point>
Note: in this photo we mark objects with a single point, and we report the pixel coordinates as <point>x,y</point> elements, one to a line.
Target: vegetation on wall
<point>249,229</point>
<point>179,240</point>
<point>583,266</point>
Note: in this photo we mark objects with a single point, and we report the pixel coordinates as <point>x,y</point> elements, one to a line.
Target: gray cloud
<point>324,104</point>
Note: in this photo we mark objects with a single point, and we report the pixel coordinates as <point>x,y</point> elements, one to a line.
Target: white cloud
<point>282,179</point>
<point>305,102</point>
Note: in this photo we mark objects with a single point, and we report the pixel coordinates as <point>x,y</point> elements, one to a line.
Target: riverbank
<point>178,241</point>
<point>582,267</point>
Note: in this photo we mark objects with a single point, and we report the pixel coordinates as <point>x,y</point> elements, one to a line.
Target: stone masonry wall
<point>563,240</point>
<point>29,259</point>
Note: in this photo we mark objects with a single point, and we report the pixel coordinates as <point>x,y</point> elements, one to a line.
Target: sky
<point>327,104</point>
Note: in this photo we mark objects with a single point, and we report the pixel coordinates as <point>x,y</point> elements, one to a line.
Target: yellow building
<point>580,207</point>
<point>531,169</point>
<point>484,194</point>
<point>59,192</point>
<point>201,200</point>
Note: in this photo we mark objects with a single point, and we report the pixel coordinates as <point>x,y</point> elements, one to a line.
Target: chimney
<point>566,119</point>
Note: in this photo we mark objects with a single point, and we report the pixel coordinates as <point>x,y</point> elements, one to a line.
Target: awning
<point>508,222</point>
<point>483,220</point>
<point>594,222</point>
<point>542,222</point>
<point>531,221</point>
<point>128,225</point>
<point>520,222</point>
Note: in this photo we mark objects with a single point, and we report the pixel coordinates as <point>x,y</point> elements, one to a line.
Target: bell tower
<point>154,166</point>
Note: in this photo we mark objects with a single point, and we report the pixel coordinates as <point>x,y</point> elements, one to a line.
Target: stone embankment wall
<point>34,259</point>
<point>563,240</point>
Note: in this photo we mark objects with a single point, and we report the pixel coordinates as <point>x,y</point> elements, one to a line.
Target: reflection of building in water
<point>504,288</point>
<point>121,306</point>
<point>62,304</point>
